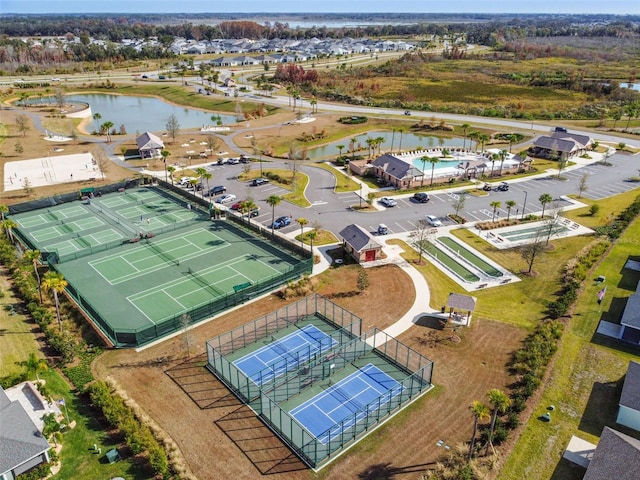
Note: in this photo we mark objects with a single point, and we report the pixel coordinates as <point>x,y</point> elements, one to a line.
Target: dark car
<point>254,212</point>
<point>244,159</point>
<point>503,187</point>
<point>281,222</point>
<point>259,181</point>
<point>407,112</point>
<point>421,197</point>
<point>218,190</point>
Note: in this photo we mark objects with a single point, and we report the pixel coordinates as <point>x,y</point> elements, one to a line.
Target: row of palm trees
<point>544,199</point>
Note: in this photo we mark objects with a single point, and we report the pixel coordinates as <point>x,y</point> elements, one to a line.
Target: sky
<point>326,6</point>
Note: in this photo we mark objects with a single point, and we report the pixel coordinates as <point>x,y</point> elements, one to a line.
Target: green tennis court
<point>137,261</point>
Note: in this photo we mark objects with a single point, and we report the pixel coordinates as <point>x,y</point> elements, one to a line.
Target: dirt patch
<point>221,438</point>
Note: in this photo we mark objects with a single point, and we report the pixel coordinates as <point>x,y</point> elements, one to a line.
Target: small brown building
<point>360,244</point>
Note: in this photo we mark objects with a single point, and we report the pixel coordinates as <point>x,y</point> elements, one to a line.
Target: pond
<point>143,114</point>
<point>392,141</point>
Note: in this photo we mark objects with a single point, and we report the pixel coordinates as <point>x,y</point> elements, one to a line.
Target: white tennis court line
<point>96,263</point>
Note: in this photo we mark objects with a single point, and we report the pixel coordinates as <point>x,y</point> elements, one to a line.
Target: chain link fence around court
<point>123,337</point>
<point>273,400</point>
<point>344,327</point>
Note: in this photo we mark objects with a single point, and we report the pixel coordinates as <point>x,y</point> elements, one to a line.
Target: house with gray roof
<point>149,145</point>
<point>395,171</point>
<point>629,405</point>
<point>360,244</point>
<point>22,446</point>
<point>616,457</point>
<point>561,145</point>
<point>630,322</point>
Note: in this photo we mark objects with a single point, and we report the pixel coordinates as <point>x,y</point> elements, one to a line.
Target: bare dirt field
<point>221,438</point>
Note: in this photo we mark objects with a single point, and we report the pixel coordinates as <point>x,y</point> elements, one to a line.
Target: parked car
<point>487,187</point>
<point>388,202</point>
<point>233,161</point>
<point>227,198</point>
<point>503,187</point>
<point>259,181</point>
<point>421,197</point>
<point>254,212</point>
<point>433,220</point>
<point>382,229</point>
<point>244,159</point>
<point>217,190</point>
<point>186,181</point>
<point>281,222</point>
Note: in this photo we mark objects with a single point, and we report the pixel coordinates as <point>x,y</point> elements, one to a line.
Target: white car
<point>226,198</point>
<point>186,181</point>
<point>388,202</point>
<point>433,220</point>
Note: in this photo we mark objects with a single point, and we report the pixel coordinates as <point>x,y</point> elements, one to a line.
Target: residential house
<point>360,244</point>
<point>629,405</point>
<point>22,446</point>
<point>616,457</point>
<point>630,322</point>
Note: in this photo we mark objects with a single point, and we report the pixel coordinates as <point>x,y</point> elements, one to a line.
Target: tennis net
<point>162,254</point>
<point>344,398</point>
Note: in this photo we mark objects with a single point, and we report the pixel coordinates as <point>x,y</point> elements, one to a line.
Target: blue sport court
<point>326,415</point>
<point>284,354</point>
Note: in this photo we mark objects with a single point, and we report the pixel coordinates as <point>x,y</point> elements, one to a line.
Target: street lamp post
<point>360,195</point>
<point>524,207</point>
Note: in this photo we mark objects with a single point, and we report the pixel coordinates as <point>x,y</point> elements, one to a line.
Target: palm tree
<point>493,159</point>
<point>510,204</point>
<point>312,234</point>
<point>503,154</point>
<point>464,126</point>
<point>8,226</point>
<point>379,141</point>
<point>424,159</point>
<point>496,205</point>
<point>393,136</point>
<point>370,142</point>
<point>32,256</point>
<point>34,365</point>
<point>171,169</point>
<point>302,222</point>
<point>206,177</point>
<point>272,201</point>
<point>484,138</point>
<point>544,199</point>
<point>55,282</point>
<point>165,153</point>
<point>340,147</point>
<point>473,136</point>
<point>500,401</point>
<point>480,412</point>
<point>246,207</point>
<point>200,171</point>
<point>107,126</point>
<point>97,117</point>
<point>433,161</point>
<point>353,142</point>
<point>401,130</point>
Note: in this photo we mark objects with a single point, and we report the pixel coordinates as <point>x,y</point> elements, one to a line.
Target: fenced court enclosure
<point>315,379</point>
<point>138,259</point>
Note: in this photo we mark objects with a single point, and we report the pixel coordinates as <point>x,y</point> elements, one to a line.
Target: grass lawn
<point>16,334</point>
<point>586,382</point>
<point>344,183</point>
<point>77,457</point>
<point>296,195</point>
<point>323,237</point>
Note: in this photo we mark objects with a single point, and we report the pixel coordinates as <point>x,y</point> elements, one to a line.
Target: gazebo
<point>460,308</point>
